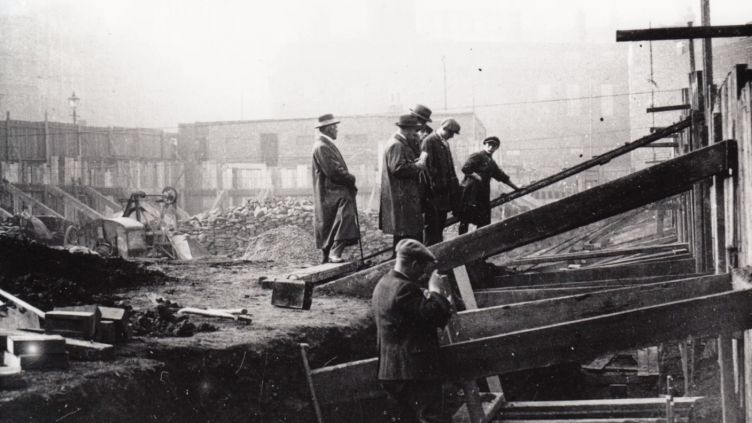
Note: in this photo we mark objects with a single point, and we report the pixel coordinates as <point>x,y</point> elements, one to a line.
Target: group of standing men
<point>419,186</point>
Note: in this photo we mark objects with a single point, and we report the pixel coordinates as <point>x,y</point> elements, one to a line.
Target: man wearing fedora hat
<point>442,188</point>
<point>423,113</point>
<point>408,307</point>
<point>400,212</point>
<point>335,215</point>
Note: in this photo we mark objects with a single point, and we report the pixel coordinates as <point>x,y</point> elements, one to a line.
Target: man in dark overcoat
<point>443,188</point>
<point>475,200</point>
<point>334,219</point>
<point>400,212</point>
<point>407,316</point>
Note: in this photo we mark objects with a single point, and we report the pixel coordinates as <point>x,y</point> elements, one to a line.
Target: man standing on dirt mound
<point>408,308</point>
<point>335,215</point>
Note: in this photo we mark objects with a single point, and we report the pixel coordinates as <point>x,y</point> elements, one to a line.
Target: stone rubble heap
<point>229,232</point>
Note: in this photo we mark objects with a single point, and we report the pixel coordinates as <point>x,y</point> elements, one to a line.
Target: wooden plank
<point>669,267</point>
<point>21,303</point>
<point>588,164</point>
<point>492,297</point>
<point>668,108</point>
<point>5,214</point>
<point>587,338</point>
<point>593,409</point>
<point>601,253</point>
<point>729,401</point>
<point>323,272</point>
<point>75,203</point>
<point>490,410</point>
<point>683,32</point>
<point>495,320</point>
<point>573,341</point>
<point>610,283</point>
<point>629,192</point>
<point>79,350</point>
<point>33,201</point>
<point>114,206</point>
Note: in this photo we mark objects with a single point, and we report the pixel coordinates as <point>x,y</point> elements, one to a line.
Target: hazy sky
<point>206,60</point>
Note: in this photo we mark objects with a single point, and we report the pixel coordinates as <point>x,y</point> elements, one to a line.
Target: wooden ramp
<point>505,339</point>
<point>623,194</point>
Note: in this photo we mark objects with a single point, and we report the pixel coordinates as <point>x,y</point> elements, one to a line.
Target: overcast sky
<point>198,56</point>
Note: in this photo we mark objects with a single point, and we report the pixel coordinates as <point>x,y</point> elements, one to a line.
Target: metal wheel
<point>169,195</point>
<point>71,236</point>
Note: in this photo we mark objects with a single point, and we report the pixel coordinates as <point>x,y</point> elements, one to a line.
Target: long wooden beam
<point>588,164</point>
<point>668,108</point>
<point>612,283</point>
<point>75,203</point>
<point>103,199</point>
<point>683,33</point>
<point>574,341</point>
<point>596,254</point>
<point>5,214</point>
<point>493,297</point>
<point>623,410</point>
<point>15,191</point>
<point>629,192</point>
<point>474,324</point>
<point>668,267</point>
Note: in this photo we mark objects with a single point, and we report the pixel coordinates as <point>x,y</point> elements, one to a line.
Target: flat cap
<point>492,140</point>
<point>410,248</point>
<point>451,125</point>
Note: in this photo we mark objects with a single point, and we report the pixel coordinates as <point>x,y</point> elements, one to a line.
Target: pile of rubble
<point>229,232</point>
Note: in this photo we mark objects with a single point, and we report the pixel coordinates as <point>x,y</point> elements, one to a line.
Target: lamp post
<point>73,102</point>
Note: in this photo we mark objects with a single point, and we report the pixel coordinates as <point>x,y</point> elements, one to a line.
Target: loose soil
<point>238,373</point>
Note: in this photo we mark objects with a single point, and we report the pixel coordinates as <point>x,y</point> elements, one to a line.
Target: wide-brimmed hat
<point>492,140</point>
<point>410,248</point>
<point>451,125</point>
<point>421,112</point>
<point>326,120</point>
<point>408,121</point>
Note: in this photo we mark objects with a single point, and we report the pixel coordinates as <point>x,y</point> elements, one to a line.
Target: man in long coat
<point>407,316</point>
<point>335,218</point>
<point>479,169</point>
<point>442,188</point>
<point>400,212</point>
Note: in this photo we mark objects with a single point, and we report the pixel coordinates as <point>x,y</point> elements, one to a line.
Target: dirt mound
<point>47,277</point>
<point>286,243</point>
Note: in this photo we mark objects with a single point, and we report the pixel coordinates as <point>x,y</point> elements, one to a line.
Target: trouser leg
<point>418,401</point>
<point>435,221</point>
<point>337,249</point>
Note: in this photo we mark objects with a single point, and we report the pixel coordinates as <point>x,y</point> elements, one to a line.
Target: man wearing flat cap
<point>475,200</point>
<point>334,219</point>
<point>408,308</point>
<point>442,188</point>
<point>400,212</point>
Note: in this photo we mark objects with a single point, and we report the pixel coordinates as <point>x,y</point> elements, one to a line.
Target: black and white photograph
<point>376,211</point>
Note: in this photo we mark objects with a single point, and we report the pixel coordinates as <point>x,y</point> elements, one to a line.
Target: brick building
<point>247,158</point>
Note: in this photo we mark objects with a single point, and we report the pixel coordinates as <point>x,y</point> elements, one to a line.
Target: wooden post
<point>729,402</point>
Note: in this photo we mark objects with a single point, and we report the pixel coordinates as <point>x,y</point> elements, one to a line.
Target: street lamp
<point>73,101</point>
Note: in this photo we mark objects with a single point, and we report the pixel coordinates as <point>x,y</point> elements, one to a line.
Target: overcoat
<point>334,217</point>
<point>443,186</point>
<point>400,211</point>
<point>406,321</point>
<point>475,200</point>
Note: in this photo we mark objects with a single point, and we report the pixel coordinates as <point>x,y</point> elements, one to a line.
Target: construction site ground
<point>238,372</point>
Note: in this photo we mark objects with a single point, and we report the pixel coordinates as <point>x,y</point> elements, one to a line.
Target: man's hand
<point>439,284</point>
